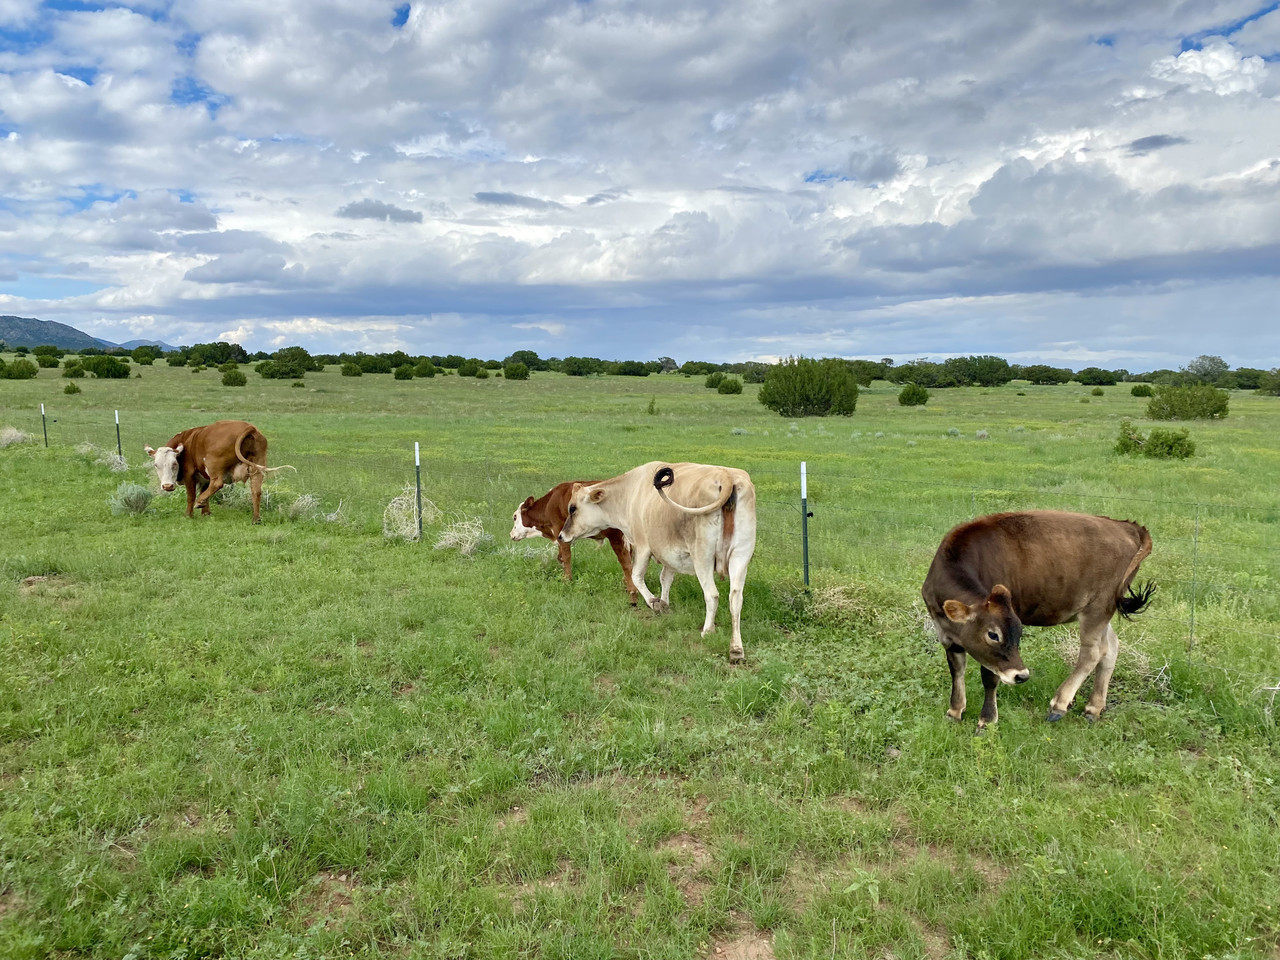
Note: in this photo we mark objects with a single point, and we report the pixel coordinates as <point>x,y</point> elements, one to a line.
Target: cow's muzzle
<point>167,487</point>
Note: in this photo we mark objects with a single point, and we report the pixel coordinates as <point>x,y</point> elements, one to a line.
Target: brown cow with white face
<point>209,457</point>
<point>716,535</point>
<point>993,575</point>
<point>545,516</point>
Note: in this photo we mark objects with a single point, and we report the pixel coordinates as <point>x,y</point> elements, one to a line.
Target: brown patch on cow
<point>688,860</point>
<point>328,898</point>
<point>741,943</point>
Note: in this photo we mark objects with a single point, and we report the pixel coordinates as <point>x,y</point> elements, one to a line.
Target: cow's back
<point>694,485</point>
<point>1055,564</point>
<point>217,441</point>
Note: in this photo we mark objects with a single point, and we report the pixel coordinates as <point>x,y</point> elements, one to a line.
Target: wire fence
<point>1217,565</point>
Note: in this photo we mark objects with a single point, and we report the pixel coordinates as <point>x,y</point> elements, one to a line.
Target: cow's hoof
<point>1055,715</point>
<point>736,658</point>
<point>955,715</point>
<point>659,606</point>
<point>981,730</point>
<point>1091,717</point>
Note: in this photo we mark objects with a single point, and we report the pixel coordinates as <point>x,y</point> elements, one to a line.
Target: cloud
<point>1144,145</point>
<point>517,200</point>
<point>377,210</point>
<point>238,268</point>
<point>1215,68</point>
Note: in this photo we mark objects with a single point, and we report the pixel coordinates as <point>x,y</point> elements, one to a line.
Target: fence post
<point>44,426</point>
<point>118,449</point>
<point>1195,558</point>
<point>417,472</point>
<point>804,517</point>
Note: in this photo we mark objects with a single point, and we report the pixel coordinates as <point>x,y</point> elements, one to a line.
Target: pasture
<point>304,739</point>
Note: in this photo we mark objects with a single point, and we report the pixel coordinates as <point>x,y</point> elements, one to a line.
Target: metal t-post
<point>804,517</point>
<point>417,470</point>
<point>44,425</point>
<point>118,449</point>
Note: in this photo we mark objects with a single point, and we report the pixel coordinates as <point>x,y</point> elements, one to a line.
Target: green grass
<point>302,739</point>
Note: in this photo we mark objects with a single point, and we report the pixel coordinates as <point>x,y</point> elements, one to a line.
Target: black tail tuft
<point>1136,600</point>
<point>665,477</point>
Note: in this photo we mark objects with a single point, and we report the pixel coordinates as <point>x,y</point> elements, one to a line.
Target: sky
<point>1078,183</point>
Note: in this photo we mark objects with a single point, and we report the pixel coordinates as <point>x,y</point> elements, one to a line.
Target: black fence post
<point>119,451</point>
<point>44,426</point>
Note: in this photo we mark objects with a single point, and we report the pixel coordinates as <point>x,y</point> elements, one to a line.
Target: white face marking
<point>1010,676</point>
<point>518,530</point>
<point>166,463</point>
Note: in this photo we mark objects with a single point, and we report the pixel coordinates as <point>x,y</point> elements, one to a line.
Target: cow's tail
<point>257,466</point>
<point>665,477</point>
<point>1133,600</point>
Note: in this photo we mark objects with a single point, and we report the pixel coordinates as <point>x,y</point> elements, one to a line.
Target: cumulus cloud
<point>716,178</point>
<point>377,210</point>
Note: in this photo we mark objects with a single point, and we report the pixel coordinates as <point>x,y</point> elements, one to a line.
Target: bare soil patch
<point>689,859</point>
<point>742,943</point>
<point>328,898</point>
<point>10,902</point>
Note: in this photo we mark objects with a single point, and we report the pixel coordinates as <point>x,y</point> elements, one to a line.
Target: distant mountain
<point>30,332</point>
<point>130,344</point>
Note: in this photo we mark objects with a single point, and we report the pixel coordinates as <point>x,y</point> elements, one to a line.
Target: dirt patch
<point>742,943</point>
<point>513,817</point>
<point>51,586</point>
<point>10,902</point>
<point>699,813</point>
<point>936,943</point>
<point>605,684</point>
<point>328,898</point>
<point>689,858</point>
<point>849,804</point>
<point>404,689</point>
<point>566,877</point>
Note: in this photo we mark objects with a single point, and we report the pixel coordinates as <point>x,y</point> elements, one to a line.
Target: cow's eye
<point>993,636</point>
<point>573,508</point>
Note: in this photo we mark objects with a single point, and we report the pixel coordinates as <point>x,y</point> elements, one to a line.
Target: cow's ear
<point>957,612</point>
<point>151,451</point>
<point>1000,596</point>
<point>528,502</point>
<point>179,448</point>
<point>596,494</point>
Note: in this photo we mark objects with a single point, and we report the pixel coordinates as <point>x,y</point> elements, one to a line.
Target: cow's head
<point>990,632</point>
<point>519,529</point>
<point>168,465</point>
<point>586,513</point>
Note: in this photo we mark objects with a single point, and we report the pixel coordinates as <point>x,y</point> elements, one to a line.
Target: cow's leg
<point>956,663</point>
<point>191,494</point>
<point>989,714</point>
<point>705,570</point>
<point>564,553</point>
<point>1102,678</point>
<point>255,490</point>
<point>623,552</point>
<point>1093,645</point>
<point>737,581</point>
<point>215,484</point>
<point>666,577</point>
<point>639,568</point>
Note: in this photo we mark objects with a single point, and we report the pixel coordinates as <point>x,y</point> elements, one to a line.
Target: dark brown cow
<point>993,575</point>
<point>545,517</point>
<point>229,451</point>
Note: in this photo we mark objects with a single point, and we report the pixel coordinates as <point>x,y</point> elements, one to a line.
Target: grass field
<point>304,739</point>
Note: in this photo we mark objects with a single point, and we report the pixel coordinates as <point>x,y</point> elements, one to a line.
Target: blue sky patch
<point>401,16</point>
<point>188,90</point>
<point>825,176</point>
<point>47,288</point>
<point>1196,40</point>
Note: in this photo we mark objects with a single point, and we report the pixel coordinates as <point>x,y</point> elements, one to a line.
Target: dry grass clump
<point>102,458</point>
<point>239,496</point>
<point>400,518</point>
<point>130,499</point>
<point>306,506</point>
<point>11,435</point>
<point>466,535</point>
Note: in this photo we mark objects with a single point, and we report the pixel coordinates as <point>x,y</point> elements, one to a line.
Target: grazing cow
<point>229,451</point>
<point>545,517</point>
<point>717,536</point>
<point>1039,568</point>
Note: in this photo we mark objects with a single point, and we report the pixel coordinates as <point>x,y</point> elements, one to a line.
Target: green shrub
<point>228,367</point>
<point>298,385</point>
<point>234,378</point>
<point>713,380</point>
<point>282,369</point>
<point>48,350</point>
<point>730,385</point>
<point>351,370</point>
<point>71,388</point>
<point>482,373</point>
<point>1197,402</point>
<point>468,368</point>
<point>46,362</point>
<point>1098,392</point>
<point>199,368</point>
<point>1159,445</point>
<point>425,368</point>
<point>20,369</point>
<point>403,372</point>
<point>516,371</point>
<point>804,387</point>
<point>913,395</point>
<point>1141,390</point>
<point>72,369</point>
<point>130,498</point>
